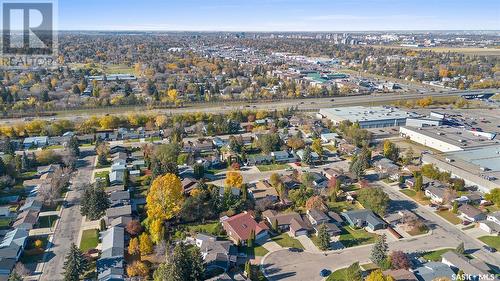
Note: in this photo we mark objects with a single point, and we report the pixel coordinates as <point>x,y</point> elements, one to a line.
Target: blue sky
<point>278,15</point>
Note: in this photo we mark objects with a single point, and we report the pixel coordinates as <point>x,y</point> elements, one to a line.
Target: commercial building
<point>367,117</point>
<point>477,167</point>
<point>446,138</point>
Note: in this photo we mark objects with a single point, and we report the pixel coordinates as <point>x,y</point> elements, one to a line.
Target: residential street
<point>288,265</point>
<point>69,224</point>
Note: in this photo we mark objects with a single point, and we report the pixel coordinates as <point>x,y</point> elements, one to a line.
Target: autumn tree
<point>133,246</point>
<point>317,147</point>
<point>133,227</point>
<point>400,260</point>
<point>233,179</point>
<point>145,244</point>
<point>316,202</point>
<point>183,264</point>
<point>353,272</point>
<point>138,268</point>
<point>391,151</point>
<point>377,275</point>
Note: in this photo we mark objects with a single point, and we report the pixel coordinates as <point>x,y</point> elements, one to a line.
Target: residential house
<point>431,271</point>
<point>314,155</point>
<point>263,190</point>
<point>348,149</point>
<point>319,218</point>
<point>117,177</point>
<point>319,180</point>
<point>114,188</point>
<point>119,211</point>
<point>110,265</point>
<point>470,213</point>
<point>290,182</point>
<point>239,228</point>
<point>13,244</point>
<point>253,160</point>
<point>32,142</point>
<point>283,156</point>
<point>26,219</point>
<point>298,227</point>
<point>364,218</point>
<point>117,148</point>
<point>490,227</point>
<point>216,254</point>
<point>40,170</point>
<point>330,138</point>
<point>31,203</point>
<point>119,198</point>
<point>437,195</point>
<point>401,275</point>
<point>386,168</point>
<point>284,220</point>
<point>459,262</point>
<point>5,212</point>
<point>494,217</point>
<point>6,267</point>
<point>188,184</point>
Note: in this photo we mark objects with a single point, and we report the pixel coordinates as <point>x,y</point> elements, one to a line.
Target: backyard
<point>46,221</point>
<point>32,253</point>
<point>90,239</point>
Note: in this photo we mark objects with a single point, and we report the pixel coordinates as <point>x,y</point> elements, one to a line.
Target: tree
<point>317,147</point>
<point>377,275</point>
<point>134,227</point>
<point>323,238</point>
<point>357,168</point>
<point>38,243</point>
<point>419,182</point>
<point>460,249</point>
<point>133,246</point>
<point>306,156</point>
<point>248,270</point>
<point>183,264</point>
<point>74,146</point>
<point>138,268</point>
<point>233,179</point>
<point>75,264</point>
<point>164,199</point>
<point>316,202</point>
<point>400,260</point>
<point>391,151</point>
<point>379,251</point>
<point>146,245</point>
<point>353,272</point>
<point>374,198</point>
<point>494,196</point>
<point>94,202</point>
<point>198,171</point>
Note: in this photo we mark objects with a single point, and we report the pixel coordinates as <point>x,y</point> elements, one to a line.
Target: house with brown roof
<point>240,227</point>
<point>401,275</point>
<point>263,189</point>
<point>290,182</point>
<point>285,220</point>
<point>188,184</point>
<point>298,227</point>
<point>27,219</point>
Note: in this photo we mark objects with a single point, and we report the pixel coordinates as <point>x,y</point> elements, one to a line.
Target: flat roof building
<point>477,167</point>
<point>446,138</point>
<point>367,117</point>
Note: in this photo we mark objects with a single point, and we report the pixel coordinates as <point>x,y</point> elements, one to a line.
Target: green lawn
<point>449,216</point>
<point>4,223</point>
<point>413,194</point>
<point>212,228</point>
<point>257,251</point>
<point>330,147</point>
<point>272,167</point>
<point>284,240</point>
<point>338,275</point>
<point>492,241</point>
<point>355,237</point>
<point>46,221</point>
<point>32,254</point>
<point>342,206</point>
<point>102,174</point>
<point>90,239</point>
<point>436,255</point>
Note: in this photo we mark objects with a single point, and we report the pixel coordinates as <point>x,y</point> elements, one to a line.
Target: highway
<point>309,104</point>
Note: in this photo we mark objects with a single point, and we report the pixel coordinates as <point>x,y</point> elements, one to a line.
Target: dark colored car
<point>490,249</point>
<point>324,272</point>
<point>295,250</point>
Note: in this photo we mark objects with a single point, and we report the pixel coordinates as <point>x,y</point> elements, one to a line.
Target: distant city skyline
<point>278,15</point>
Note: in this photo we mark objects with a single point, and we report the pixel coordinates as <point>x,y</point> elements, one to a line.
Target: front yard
<point>257,251</point>
<point>284,240</point>
<point>355,237</point>
<point>492,241</point>
<point>449,216</point>
<point>90,239</point>
<point>413,194</point>
<point>342,206</point>
<point>435,255</point>
<point>46,221</point>
<point>272,167</point>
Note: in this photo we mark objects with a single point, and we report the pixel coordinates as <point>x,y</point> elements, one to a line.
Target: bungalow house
<point>401,275</point>
<point>494,217</point>
<point>119,198</point>
<point>262,190</point>
<point>5,212</point>
<point>117,148</point>
<point>31,142</point>
<point>31,203</point>
<point>431,271</point>
<point>26,220</point>
<point>318,218</point>
<point>386,168</point>
<point>314,155</point>
<point>216,254</point>
<point>111,189</point>
<point>282,220</point>
<point>253,160</point>
<point>119,211</point>
<point>123,156</point>
<point>459,262</point>
<point>119,166</point>
<point>13,244</point>
<point>240,227</point>
<point>218,142</point>
<point>470,213</point>
<point>436,194</point>
<point>490,227</point>
<point>110,265</point>
<point>283,156</point>
<point>298,227</point>
<point>117,177</point>
<point>364,218</point>
<point>330,138</point>
<point>290,182</point>
<point>40,170</point>
<point>348,149</point>
<point>319,180</point>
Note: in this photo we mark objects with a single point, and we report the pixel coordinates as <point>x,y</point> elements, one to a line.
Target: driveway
<point>68,227</point>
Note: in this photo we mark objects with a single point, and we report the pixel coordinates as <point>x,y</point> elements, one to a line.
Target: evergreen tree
<point>323,238</point>
<point>460,249</point>
<point>75,264</point>
<point>183,264</point>
<point>379,251</point>
<point>94,202</point>
<point>353,273</point>
<point>74,147</point>
<point>3,169</point>
<point>307,157</point>
<point>248,270</point>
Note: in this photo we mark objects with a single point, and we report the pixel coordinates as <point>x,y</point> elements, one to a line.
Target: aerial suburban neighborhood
<point>296,155</point>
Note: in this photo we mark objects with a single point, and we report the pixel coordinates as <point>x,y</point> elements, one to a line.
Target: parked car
<point>324,272</point>
<point>489,249</point>
<point>295,250</point>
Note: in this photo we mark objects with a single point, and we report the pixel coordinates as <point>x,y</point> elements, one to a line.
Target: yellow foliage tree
<point>164,198</point>
<point>377,275</point>
<point>137,268</point>
<point>133,246</point>
<point>156,230</point>
<point>161,121</point>
<point>234,179</point>
<point>145,244</point>
<point>38,243</point>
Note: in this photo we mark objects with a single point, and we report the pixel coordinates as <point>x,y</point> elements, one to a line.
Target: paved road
<point>285,265</point>
<point>309,104</point>
<point>69,224</point>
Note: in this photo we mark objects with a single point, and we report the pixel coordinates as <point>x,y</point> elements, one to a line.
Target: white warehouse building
<point>367,117</point>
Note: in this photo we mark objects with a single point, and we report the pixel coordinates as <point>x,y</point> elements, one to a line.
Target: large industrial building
<point>446,138</point>
<point>367,117</point>
<point>478,166</point>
